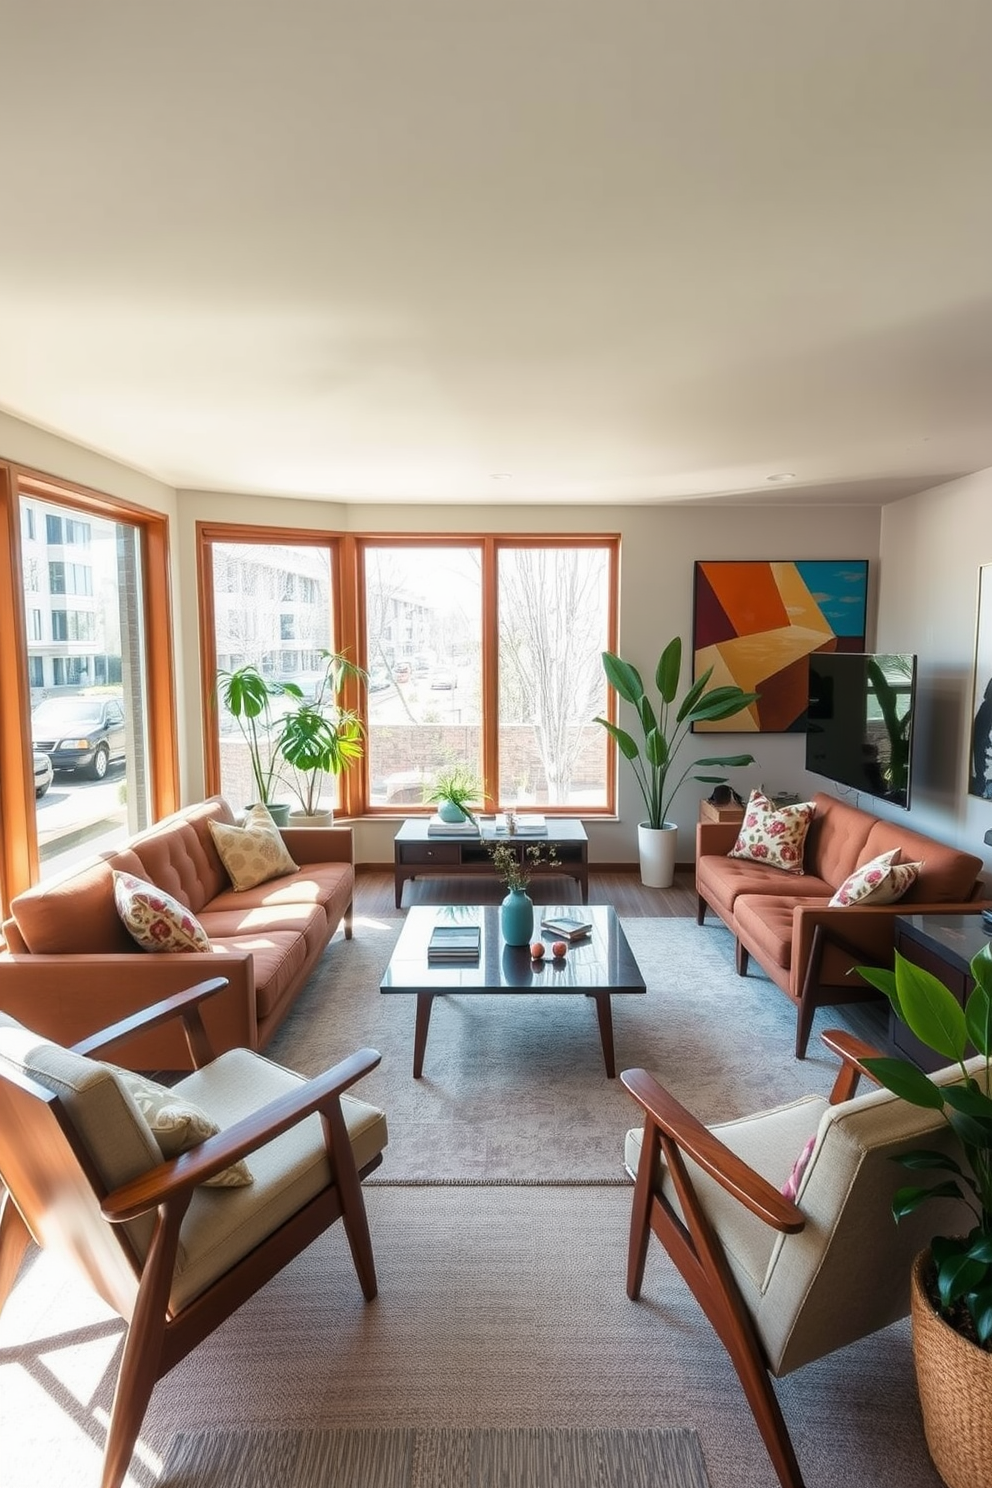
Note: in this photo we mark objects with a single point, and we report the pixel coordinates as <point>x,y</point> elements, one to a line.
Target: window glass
<point>553,608</point>
<point>272,610</point>
<point>87,670</point>
<point>423,610</point>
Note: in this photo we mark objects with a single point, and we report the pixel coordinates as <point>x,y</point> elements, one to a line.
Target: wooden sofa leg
<point>349,916</point>
<point>701,908</point>
<point>808,1000</point>
<point>742,958</point>
<point>14,1241</point>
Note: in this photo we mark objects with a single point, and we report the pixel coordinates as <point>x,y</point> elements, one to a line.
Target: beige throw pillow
<point>177,1125</point>
<point>254,853</point>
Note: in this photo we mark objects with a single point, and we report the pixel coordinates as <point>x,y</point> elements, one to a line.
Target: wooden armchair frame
<point>692,1243</point>
<point>59,1200</point>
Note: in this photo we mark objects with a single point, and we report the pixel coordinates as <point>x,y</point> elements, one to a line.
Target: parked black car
<point>81,734</point>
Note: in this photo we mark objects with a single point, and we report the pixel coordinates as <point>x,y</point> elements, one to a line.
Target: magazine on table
<point>454,943</point>
<point>567,927</point>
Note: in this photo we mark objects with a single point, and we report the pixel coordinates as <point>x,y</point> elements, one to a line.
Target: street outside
<point>77,818</point>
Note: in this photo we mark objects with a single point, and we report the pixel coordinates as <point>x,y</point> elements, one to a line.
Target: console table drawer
<point>422,852</point>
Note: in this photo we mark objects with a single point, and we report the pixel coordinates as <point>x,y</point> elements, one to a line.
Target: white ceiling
<point>556,250</point>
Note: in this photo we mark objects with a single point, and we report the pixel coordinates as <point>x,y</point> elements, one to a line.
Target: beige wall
<point>932,547</point>
<point>659,547</point>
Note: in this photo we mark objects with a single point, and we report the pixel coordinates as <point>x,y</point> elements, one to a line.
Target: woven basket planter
<point>954,1378</point>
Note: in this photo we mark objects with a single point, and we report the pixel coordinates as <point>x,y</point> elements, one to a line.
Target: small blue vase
<point>516,918</point>
<point>449,812</point>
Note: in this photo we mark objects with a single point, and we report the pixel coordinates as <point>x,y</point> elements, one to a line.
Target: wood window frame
<point>19,860</point>
<point>349,616</point>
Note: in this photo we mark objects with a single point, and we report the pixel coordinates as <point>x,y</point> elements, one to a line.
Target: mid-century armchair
<point>85,1175</point>
<point>784,1282</point>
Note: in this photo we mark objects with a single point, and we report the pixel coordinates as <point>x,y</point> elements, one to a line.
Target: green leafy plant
<point>664,727</point>
<point>247,696</point>
<point>319,737</point>
<point>516,870</point>
<point>963,1263</point>
<point>457,784</point>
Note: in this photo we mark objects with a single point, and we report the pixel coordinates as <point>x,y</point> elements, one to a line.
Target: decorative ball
<point>558,949</point>
<point>537,950</point>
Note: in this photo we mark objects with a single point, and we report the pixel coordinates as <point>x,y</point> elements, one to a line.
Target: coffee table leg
<point>425,1005</point>
<point>604,1012</point>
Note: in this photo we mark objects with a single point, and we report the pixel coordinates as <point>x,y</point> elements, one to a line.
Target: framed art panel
<point>980,772</point>
<point>757,623</point>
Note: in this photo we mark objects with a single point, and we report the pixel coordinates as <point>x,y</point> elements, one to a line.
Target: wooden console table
<point>416,853</point>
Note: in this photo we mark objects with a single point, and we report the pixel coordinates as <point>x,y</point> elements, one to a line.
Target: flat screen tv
<point>859,721</point>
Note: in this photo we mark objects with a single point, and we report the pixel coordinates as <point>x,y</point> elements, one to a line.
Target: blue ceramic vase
<point>516,918</point>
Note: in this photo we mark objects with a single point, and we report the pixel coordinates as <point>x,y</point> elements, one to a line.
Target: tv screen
<point>859,721</point>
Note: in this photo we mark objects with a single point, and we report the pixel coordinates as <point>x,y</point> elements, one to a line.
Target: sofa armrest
<point>862,932</point>
<point>69,998</point>
<point>319,844</point>
<point>715,839</point>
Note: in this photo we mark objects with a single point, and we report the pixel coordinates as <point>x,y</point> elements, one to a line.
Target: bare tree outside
<point>552,631</point>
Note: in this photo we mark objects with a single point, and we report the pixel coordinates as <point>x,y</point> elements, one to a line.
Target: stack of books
<point>454,943</point>
<point>531,825</point>
<point>438,828</point>
<point>566,927</point>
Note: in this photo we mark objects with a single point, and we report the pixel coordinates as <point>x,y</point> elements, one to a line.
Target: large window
<point>423,641</point>
<point>273,609</point>
<point>87,684</point>
<point>481,651</point>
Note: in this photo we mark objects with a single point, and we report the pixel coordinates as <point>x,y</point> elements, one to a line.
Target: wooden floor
<point>622,889</point>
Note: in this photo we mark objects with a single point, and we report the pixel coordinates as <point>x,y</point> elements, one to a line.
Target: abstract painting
<point>980,773</point>
<point>756,625</point>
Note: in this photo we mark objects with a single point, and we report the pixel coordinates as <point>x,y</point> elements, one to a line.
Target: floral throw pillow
<point>772,834</point>
<point>882,881</point>
<point>254,853</point>
<point>154,919</point>
<point>178,1124</point>
<point>791,1185</point>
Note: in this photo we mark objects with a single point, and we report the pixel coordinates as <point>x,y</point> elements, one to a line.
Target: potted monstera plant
<point>320,737</point>
<point>247,695</point>
<point>664,727</point>
<point>952,1279</point>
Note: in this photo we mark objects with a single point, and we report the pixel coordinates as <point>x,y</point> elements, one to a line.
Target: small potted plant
<point>247,695</point>
<point>515,866</point>
<point>663,737</point>
<point>454,788</point>
<point>318,738</point>
<point>952,1280</point>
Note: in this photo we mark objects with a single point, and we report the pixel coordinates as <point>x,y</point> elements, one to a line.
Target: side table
<point>945,945</point>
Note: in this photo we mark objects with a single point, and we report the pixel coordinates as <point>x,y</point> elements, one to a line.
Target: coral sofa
<point>784,920</point>
<point>70,967</point>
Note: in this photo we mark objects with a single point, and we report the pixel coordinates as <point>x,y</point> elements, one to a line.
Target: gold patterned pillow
<point>774,835</point>
<point>154,919</point>
<point>254,853</point>
<point>178,1124</point>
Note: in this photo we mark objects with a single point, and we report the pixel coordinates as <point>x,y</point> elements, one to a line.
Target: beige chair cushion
<point>847,1272</point>
<point>220,1229</point>
<point>254,853</point>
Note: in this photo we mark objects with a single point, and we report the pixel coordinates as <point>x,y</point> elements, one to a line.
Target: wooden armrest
<point>180,1175</point>
<point>713,1156</point>
<point>851,1051</point>
<point>183,1005</point>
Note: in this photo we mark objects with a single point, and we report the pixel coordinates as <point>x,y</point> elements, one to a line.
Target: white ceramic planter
<point>316,819</point>
<point>656,849</point>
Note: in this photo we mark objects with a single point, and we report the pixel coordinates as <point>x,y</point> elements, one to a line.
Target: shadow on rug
<point>540,1457</point>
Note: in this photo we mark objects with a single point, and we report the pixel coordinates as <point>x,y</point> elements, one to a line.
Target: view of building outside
<point>85,650</point>
<point>553,606</point>
<point>423,608</point>
<point>272,610</point>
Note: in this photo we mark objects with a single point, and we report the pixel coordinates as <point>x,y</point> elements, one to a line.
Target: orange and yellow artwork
<point>756,625</point>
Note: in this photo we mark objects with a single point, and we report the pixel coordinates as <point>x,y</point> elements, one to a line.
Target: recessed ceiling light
<point>783,475</point>
<point>501,475</point>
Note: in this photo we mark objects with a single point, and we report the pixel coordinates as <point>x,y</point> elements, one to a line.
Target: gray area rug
<point>541,1457</point>
<point>514,1089</point>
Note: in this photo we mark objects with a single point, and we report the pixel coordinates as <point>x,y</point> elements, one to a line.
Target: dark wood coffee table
<point>598,966</point>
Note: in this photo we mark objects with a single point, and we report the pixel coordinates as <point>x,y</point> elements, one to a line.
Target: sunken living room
<point>496,647</point>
